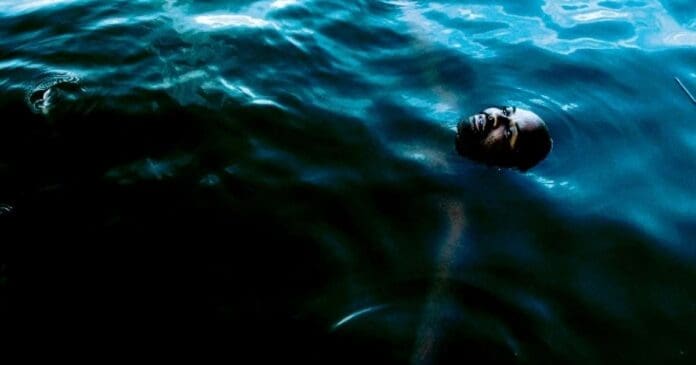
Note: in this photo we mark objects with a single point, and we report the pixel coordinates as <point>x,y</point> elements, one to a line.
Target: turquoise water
<point>310,146</point>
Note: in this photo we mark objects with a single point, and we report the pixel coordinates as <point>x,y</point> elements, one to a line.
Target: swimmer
<point>504,137</point>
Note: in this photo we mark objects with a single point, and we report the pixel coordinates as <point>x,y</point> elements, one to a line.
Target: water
<point>308,145</point>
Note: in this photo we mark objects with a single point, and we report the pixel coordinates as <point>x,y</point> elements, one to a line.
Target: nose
<point>500,120</point>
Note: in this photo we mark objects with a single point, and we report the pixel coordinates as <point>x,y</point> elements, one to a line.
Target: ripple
<point>357,314</point>
<point>612,31</point>
<point>25,6</point>
<point>6,209</point>
<point>322,126</point>
<point>230,20</point>
<point>53,89</point>
<point>479,322</point>
<point>279,4</point>
<point>654,27</point>
<point>149,169</point>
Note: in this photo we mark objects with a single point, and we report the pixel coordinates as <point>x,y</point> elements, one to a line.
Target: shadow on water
<point>317,216</point>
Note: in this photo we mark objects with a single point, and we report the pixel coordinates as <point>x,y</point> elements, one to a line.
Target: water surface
<point>309,146</point>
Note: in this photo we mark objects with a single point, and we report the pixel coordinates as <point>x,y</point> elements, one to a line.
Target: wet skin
<point>494,137</point>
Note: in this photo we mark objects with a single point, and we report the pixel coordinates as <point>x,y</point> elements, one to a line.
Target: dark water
<point>308,147</point>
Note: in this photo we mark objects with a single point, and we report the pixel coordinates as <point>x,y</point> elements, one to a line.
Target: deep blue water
<point>309,146</point>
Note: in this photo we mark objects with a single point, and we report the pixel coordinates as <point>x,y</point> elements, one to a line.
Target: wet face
<point>504,136</point>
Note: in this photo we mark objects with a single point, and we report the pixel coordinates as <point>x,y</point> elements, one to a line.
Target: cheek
<point>495,139</point>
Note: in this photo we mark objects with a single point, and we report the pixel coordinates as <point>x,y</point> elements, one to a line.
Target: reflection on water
<point>309,145</point>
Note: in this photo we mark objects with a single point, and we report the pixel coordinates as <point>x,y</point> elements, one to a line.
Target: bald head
<point>504,136</point>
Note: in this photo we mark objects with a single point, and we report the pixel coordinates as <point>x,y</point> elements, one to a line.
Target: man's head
<point>504,136</point>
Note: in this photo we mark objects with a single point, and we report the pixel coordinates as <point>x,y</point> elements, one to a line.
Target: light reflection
<point>653,26</point>
<point>243,92</point>
<point>550,183</point>
<point>19,6</point>
<point>230,20</point>
<point>470,15</point>
<point>282,3</point>
<point>599,15</point>
<point>357,314</point>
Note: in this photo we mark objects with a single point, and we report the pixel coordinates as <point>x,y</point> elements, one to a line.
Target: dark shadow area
<point>295,250</point>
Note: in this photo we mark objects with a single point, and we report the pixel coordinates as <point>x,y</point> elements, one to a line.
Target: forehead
<point>493,110</point>
<point>527,120</point>
<point>525,114</point>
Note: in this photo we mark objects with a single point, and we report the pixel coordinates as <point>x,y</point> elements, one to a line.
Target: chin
<point>465,140</point>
